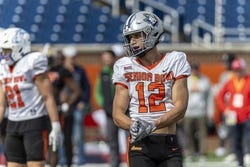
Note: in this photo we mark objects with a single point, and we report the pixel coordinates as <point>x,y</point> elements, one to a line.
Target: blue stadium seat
<point>78,21</point>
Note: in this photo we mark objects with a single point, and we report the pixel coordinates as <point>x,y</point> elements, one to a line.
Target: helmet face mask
<point>149,25</point>
<point>135,50</point>
<point>6,56</point>
<point>18,41</point>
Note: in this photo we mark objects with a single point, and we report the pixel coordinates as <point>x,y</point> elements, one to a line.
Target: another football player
<point>26,88</point>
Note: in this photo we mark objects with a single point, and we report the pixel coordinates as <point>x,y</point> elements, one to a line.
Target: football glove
<point>140,129</point>
<point>134,128</point>
<point>65,107</point>
<point>55,136</point>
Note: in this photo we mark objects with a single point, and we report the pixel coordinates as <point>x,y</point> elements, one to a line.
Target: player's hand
<point>134,128</point>
<point>140,129</point>
<point>55,136</point>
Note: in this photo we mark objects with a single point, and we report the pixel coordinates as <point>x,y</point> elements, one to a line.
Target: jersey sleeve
<point>39,63</point>
<point>118,75</point>
<point>182,67</point>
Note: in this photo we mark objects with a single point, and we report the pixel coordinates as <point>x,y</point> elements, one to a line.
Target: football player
<point>153,87</point>
<point>26,88</point>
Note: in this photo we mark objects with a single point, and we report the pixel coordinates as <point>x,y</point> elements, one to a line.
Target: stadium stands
<point>80,21</point>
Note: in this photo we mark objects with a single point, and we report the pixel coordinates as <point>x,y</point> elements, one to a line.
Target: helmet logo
<point>150,19</point>
<point>18,36</point>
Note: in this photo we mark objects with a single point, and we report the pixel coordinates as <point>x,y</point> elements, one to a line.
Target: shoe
<point>220,151</point>
<point>230,158</point>
<point>247,159</point>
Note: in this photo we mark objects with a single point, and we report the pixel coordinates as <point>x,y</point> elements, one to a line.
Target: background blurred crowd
<point>207,114</point>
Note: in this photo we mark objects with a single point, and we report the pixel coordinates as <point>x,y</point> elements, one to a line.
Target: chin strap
<point>144,52</point>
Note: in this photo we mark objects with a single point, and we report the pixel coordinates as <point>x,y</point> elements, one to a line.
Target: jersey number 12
<point>152,98</point>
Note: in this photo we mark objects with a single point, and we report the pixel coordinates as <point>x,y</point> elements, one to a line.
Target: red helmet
<point>238,64</point>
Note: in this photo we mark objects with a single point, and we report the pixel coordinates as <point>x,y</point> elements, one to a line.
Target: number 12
<point>152,98</point>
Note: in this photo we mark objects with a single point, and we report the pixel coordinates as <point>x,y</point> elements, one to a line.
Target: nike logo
<point>165,70</point>
<point>134,148</point>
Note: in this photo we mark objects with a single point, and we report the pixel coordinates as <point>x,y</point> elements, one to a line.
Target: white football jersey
<point>24,99</point>
<point>150,88</point>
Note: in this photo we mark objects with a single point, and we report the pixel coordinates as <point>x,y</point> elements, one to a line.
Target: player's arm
<point>44,86</point>
<point>180,101</point>
<point>2,102</point>
<point>120,105</point>
<point>74,89</point>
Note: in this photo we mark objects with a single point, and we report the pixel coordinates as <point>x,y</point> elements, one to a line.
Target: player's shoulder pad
<point>34,59</point>
<point>35,56</point>
<point>178,55</point>
<point>123,61</point>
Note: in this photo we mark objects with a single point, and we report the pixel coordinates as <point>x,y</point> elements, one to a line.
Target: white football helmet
<point>147,23</point>
<point>16,39</point>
